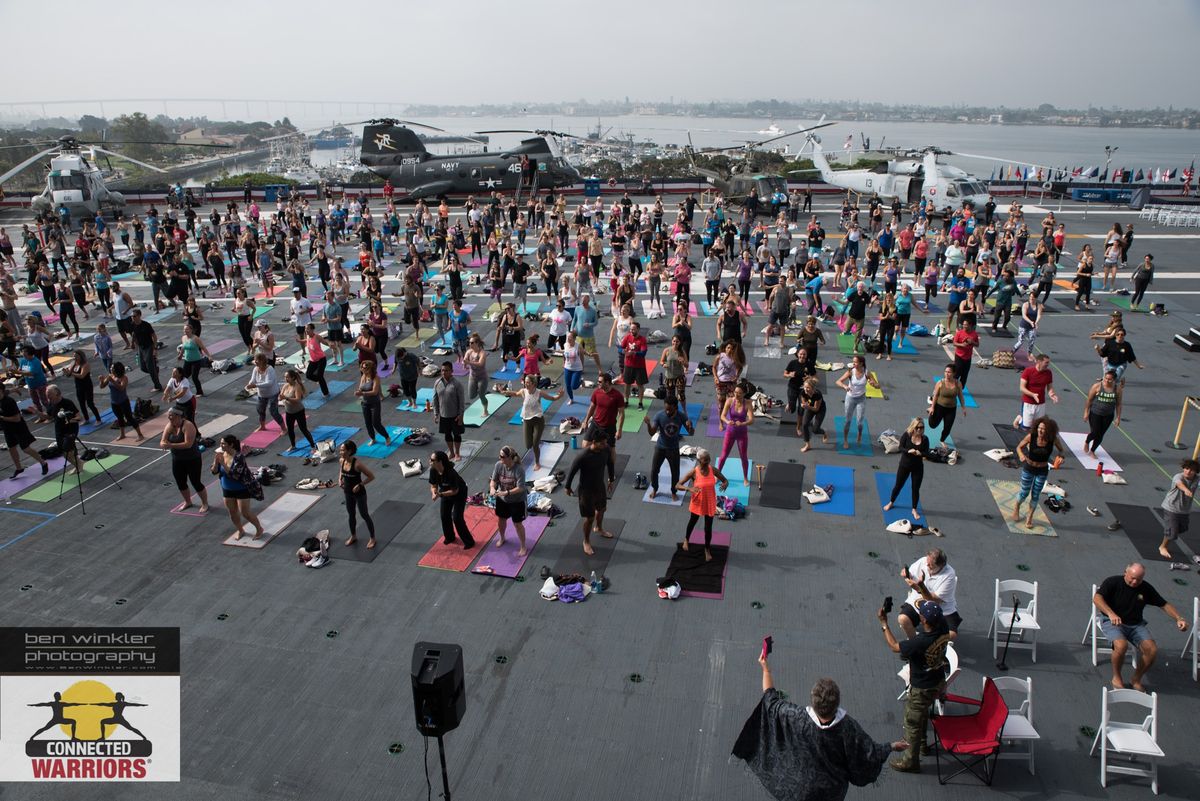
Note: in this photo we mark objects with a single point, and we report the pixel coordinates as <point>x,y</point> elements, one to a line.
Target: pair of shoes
<point>903,766</point>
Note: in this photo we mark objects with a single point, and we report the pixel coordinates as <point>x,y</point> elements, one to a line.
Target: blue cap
<point>931,612</point>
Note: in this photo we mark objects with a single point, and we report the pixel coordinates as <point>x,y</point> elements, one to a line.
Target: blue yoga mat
<point>842,479</point>
<point>576,409</point>
<point>733,472</point>
<point>530,307</point>
<point>935,435</point>
<point>903,507</point>
<point>968,398</point>
<point>694,410</point>
<point>515,420</point>
<point>381,450</point>
<point>338,434</point>
<point>106,418</point>
<point>511,372</point>
<point>446,340</point>
<point>423,394</point>
<point>855,449</point>
<point>315,400</point>
<point>906,349</point>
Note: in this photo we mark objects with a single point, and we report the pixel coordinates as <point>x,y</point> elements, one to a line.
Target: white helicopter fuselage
<point>77,184</point>
<point>909,180</point>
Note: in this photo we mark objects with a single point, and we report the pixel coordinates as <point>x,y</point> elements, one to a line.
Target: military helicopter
<point>391,150</point>
<point>75,181</point>
<point>739,181</point>
<point>911,176</point>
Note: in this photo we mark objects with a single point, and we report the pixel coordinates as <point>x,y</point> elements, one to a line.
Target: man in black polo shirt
<point>1121,601</point>
<point>146,342</point>
<point>65,415</point>
<point>925,654</point>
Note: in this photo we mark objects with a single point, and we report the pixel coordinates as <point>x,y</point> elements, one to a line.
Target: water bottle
<point>1100,468</point>
<point>594,583</point>
<point>574,443</point>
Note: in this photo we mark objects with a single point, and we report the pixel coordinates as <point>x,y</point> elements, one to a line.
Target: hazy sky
<point>1019,53</point>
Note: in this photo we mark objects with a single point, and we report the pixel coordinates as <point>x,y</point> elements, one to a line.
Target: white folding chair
<point>1136,741</point>
<point>1095,635</point>
<point>1018,727</point>
<point>1193,640</point>
<point>952,670</point>
<point>1026,619</point>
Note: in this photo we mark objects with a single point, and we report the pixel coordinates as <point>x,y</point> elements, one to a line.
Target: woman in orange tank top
<point>704,479</point>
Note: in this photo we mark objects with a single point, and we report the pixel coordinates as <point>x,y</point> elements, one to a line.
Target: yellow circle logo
<point>87,718</point>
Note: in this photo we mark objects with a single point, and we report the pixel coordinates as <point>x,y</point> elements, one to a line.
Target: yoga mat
<point>444,340</point>
<point>503,560</point>
<point>1122,302</point>
<point>907,349</point>
<point>572,559</point>
<point>713,428</point>
<point>664,484</point>
<point>106,417</point>
<point>1143,528</point>
<point>516,420</point>
<point>903,508</point>
<point>620,462</point>
<point>381,450</point>
<point>315,400</point>
<point>219,425</point>
<point>635,417</point>
<point>691,372</point>
<point>530,307</point>
<point>650,365</point>
<point>151,429</point>
<point>767,352</point>
<point>30,476</point>
<point>408,341</point>
<point>511,372</point>
<point>845,344</point>
<point>693,412</point>
<point>474,415</point>
<point>481,521</point>
<point>782,486</point>
<point>261,439</point>
<point>1010,436</point>
<point>841,501</point>
<point>1004,493</point>
<point>285,510</point>
<point>48,491</point>
<point>423,394</point>
<point>578,409</point>
<point>215,381</point>
<point>968,399</point>
<point>737,488</point>
<point>698,578</point>
<point>259,311</point>
<point>551,452</point>
<point>1074,443</point>
<point>708,309</point>
<point>934,433</point>
<point>853,448</point>
<point>390,517</point>
<point>468,449</point>
<point>338,434</point>
<point>872,392</point>
<point>296,359</point>
<point>222,345</point>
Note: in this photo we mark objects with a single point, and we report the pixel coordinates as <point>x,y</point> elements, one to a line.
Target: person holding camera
<point>930,578</point>
<point>811,753</point>
<point>65,415</point>
<point>925,653</point>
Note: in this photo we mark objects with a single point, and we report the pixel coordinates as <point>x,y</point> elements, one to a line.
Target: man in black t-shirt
<point>925,654</point>
<point>856,310</point>
<point>146,342</point>
<point>796,371</point>
<point>16,433</point>
<point>65,415</point>
<point>1121,601</point>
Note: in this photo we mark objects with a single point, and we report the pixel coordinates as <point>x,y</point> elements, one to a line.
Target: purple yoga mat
<point>222,345</point>
<point>724,539</point>
<point>714,422</point>
<point>31,475</point>
<point>504,561</point>
<point>460,369</point>
<point>387,367</point>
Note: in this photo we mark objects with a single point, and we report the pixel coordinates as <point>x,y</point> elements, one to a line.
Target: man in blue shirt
<point>958,286</point>
<point>584,326</point>
<point>668,425</point>
<point>460,327</point>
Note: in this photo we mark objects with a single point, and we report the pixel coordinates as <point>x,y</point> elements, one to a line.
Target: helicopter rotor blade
<point>170,144</point>
<point>26,164</point>
<point>127,158</point>
<point>35,143</point>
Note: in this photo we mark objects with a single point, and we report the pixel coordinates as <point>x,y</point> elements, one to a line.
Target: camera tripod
<point>69,450</point>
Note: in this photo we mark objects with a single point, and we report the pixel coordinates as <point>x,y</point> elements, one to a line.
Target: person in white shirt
<point>560,322</point>
<point>930,578</point>
<point>302,312</point>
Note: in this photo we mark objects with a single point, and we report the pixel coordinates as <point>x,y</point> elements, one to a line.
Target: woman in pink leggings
<point>737,415</point>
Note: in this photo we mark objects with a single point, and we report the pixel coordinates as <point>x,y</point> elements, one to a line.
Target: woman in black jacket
<point>914,450</point>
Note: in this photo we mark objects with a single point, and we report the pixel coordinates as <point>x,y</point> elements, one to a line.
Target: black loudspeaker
<point>438,685</point>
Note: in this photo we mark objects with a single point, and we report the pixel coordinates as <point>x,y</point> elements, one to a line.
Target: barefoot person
<point>1178,503</point>
<point>1034,452</point>
<point>507,485</point>
<point>914,450</point>
<point>666,428</point>
<point>737,416</point>
<point>180,438</point>
<point>591,465</point>
<point>533,416</point>
<point>1121,601</point>
<point>17,436</point>
<point>238,485</point>
<point>854,381</point>
<point>446,484</point>
<point>703,479</point>
<point>353,479</point>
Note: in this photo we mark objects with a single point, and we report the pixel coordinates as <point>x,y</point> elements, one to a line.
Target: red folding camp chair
<point>971,740</point>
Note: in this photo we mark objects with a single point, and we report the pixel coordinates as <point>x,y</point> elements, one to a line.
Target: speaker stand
<point>445,778</point>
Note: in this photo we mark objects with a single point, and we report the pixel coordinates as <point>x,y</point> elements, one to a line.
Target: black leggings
<point>943,415</point>
<point>185,471</point>
<point>712,290</point>
<point>905,474</point>
<point>691,526</point>
<point>293,420</point>
<point>672,458</point>
<point>245,324</point>
<point>85,394</point>
<point>811,421</point>
<point>962,369</point>
<point>1043,289</point>
<point>1002,309</point>
<point>1139,291</point>
<point>192,370</point>
<point>357,502</point>
<point>1083,289</point>
<point>316,372</point>
<point>372,412</point>
<point>1099,424</point>
<point>454,518</point>
<point>66,312</point>
<point>887,330</point>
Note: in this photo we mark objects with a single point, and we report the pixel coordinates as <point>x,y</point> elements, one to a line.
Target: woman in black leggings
<point>354,480</point>
<point>179,437</point>
<point>445,483</point>
<point>914,449</point>
<point>291,395</point>
<point>85,393</point>
<point>66,308</point>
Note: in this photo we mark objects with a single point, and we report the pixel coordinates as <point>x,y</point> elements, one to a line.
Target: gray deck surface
<point>275,709</point>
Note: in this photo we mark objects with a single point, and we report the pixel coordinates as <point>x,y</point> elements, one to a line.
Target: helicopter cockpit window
<point>71,181</point>
<point>951,190</point>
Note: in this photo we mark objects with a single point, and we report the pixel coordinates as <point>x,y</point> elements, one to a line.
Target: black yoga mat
<point>390,517</point>
<point>1010,436</point>
<point>572,559</point>
<point>696,575</point>
<point>1143,528</point>
<point>622,459</point>
<point>782,486</point>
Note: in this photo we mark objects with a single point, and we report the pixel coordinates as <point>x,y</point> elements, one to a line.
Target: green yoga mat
<point>635,417</point>
<point>474,415</point>
<point>846,345</point>
<point>1122,302</point>
<point>259,311</point>
<point>48,491</point>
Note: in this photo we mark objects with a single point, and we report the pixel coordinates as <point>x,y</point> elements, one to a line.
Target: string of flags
<point>1014,172</point>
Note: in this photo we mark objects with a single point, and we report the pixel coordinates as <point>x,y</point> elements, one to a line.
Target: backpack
<point>1003,358</point>
<point>419,436</point>
<point>144,409</point>
<point>917,330</point>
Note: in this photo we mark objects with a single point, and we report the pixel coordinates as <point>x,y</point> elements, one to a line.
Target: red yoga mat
<point>482,523</point>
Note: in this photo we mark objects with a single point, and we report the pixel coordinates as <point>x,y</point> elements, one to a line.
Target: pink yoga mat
<point>32,475</point>
<point>504,561</point>
<point>212,488</point>
<point>222,345</point>
<point>261,439</point>
<point>722,538</point>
